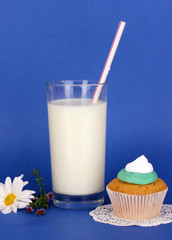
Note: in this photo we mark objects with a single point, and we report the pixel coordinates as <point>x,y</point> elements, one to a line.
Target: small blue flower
<point>29,209</point>
<point>40,212</point>
<point>50,195</point>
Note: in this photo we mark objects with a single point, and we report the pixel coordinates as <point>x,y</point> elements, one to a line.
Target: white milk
<point>77,130</point>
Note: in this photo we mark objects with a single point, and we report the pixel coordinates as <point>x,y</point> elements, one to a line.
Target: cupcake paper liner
<point>136,207</point>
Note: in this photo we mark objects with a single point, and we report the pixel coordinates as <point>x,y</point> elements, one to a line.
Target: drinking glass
<point>77,134</point>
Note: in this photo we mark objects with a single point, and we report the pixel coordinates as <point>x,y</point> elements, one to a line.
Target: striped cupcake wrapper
<point>136,207</point>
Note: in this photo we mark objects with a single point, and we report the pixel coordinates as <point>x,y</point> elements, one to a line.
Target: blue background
<point>43,40</point>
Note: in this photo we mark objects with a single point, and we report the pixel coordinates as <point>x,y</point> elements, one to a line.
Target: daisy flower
<point>12,197</point>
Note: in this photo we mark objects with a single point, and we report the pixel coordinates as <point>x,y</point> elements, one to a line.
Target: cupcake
<point>137,193</point>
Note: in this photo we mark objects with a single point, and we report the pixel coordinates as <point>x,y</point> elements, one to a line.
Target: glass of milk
<point>77,133</point>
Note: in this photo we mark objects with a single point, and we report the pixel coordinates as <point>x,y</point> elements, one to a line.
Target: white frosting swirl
<point>140,165</point>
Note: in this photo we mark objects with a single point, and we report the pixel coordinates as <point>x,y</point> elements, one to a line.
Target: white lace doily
<point>104,214</point>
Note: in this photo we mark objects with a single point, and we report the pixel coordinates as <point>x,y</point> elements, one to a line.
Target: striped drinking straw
<point>109,60</point>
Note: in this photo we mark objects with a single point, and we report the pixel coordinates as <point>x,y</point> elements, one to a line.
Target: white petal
<point>7,210</point>
<point>2,204</point>
<point>18,187</point>
<point>14,184</point>
<point>8,184</point>
<point>3,189</point>
<point>2,207</point>
<point>16,181</point>
<point>1,198</point>
<point>25,200</point>
<point>21,205</point>
<point>14,208</point>
<point>26,193</point>
<point>25,183</point>
<point>21,176</point>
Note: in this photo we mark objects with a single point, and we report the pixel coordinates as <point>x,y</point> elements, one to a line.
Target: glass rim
<point>89,82</point>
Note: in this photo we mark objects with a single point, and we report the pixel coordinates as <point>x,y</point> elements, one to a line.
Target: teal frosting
<point>137,178</point>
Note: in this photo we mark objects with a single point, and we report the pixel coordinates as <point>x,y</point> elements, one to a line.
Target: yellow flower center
<point>9,199</point>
